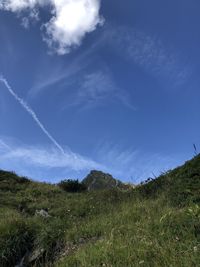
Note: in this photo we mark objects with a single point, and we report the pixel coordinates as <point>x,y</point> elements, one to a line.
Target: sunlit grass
<point>157,224</point>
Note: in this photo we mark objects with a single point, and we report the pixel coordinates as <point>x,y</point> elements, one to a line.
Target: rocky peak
<point>98,180</point>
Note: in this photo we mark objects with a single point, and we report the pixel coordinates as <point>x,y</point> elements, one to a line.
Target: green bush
<point>73,186</point>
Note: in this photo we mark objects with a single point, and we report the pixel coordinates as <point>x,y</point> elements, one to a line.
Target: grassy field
<point>155,224</point>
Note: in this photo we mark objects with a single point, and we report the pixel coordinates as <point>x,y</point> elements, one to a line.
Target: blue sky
<point>89,84</point>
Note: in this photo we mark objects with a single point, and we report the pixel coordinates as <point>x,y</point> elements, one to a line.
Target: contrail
<point>31,112</point>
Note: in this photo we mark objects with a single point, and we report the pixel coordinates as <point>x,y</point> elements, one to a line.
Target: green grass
<point>140,234</point>
<point>156,224</point>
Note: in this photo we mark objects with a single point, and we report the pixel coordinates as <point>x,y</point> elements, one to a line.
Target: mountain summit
<point>98,180</point>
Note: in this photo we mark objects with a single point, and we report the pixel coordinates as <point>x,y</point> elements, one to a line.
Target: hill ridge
<point>154,224</point>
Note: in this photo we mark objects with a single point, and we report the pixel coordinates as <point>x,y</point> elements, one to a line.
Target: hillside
<point>180,186</point>
<point>155,224</point>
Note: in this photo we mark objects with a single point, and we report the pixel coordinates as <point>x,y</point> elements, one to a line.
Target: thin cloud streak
<point>45,81</point>
<point>31,113</point>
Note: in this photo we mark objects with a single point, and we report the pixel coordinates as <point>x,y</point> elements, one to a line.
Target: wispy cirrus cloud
<point>70,20</point>
<point>4,146</point>
<point>130,165</point>
<point>149,53</point>
<point>13,153</point>
<point>98,88</point>
<point>134,165</point>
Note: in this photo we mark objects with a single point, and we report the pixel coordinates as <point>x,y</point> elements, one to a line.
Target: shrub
<point>73,186</point>
<point>16,237</point>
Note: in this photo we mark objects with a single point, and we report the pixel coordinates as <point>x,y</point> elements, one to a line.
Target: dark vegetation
<point>154,224</point>
<point>73,186</point>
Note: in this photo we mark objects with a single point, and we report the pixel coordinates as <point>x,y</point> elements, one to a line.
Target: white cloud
<point>19,5</point>
<point>71,20</point>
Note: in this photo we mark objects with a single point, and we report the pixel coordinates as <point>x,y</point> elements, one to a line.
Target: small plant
<point>195,150</point>
<point>73,186</point>
<point>194,211</point>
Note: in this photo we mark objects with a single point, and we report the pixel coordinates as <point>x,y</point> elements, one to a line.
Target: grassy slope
<point>157,224</point>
